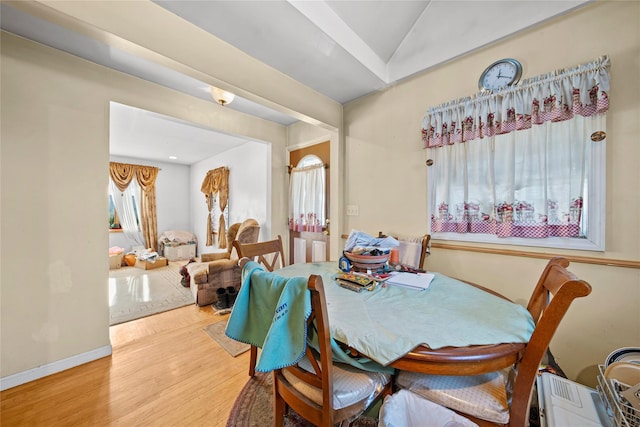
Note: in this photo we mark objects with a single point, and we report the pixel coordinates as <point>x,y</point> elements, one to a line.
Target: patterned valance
<point>556,96</point>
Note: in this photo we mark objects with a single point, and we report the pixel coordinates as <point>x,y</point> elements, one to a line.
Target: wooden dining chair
<point>270,254</point>
<point>414,244</point>
<point>485,399</point>
<point>424,245</point>
<point>319,390</point>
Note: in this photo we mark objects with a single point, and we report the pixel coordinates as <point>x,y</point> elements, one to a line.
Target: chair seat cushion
<point>350,385</point>
<point>482,396</point>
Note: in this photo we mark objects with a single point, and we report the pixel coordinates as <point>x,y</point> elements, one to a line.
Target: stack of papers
<point>419,281</point>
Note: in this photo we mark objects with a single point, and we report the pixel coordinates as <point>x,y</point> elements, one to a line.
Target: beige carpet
<point>136,293</point>
<point>233,347</point>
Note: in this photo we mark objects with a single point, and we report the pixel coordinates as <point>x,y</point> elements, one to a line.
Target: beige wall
<point>386,168</point>
<point>55,127</point>
<point>54,177</point>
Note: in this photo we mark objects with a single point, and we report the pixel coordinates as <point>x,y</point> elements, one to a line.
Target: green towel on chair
<point>270,312</point>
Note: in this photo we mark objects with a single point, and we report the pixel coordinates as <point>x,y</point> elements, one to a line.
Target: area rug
<point>233,347</point>
<point>254,407</point>
<point>136,293</point>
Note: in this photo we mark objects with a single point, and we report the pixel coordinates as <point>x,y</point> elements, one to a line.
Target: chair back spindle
<point>316,372</point>
<point>270,253</point>
<point>552,296</point>
<point>550,301</point>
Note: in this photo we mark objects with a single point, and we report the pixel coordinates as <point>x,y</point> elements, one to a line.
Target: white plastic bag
<point>407,409</point>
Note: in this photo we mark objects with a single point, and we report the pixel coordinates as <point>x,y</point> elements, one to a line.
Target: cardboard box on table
<point>147,265</point>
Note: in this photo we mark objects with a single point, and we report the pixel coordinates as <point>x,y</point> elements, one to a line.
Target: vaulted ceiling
<point>342,49</point>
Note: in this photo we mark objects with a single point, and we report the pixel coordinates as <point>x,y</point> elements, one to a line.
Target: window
<point>124,207</point>
<point>307,195</point>
<point>132,190</point>
<point>309,160</point>
<point>114,221</point>
<point>525,166</point>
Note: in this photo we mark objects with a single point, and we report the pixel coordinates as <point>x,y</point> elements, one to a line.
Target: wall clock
<point>500,74</point>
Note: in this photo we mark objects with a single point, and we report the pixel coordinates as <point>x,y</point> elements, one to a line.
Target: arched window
<point>307,195</point>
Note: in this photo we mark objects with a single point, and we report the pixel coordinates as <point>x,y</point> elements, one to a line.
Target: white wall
<point>249,189</point>
<point>173,198</point>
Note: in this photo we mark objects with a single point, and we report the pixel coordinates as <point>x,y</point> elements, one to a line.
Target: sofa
<point>220,269</point>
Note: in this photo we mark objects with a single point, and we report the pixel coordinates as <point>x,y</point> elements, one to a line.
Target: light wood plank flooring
<point>164,371</point>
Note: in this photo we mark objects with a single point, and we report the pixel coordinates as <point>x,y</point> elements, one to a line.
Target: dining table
<point>452,327</point>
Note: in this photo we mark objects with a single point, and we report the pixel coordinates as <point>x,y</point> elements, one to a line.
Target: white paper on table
<point>419,281</point>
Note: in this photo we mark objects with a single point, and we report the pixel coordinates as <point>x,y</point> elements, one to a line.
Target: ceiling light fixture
<point>222,97</point>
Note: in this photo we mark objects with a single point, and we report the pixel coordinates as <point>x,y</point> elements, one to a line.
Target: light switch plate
<point>352,210</point>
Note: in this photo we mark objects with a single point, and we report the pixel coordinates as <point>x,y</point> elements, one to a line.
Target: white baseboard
<point>54,367</point>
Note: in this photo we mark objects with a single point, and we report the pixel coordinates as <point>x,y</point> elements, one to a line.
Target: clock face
<point>500,74</point>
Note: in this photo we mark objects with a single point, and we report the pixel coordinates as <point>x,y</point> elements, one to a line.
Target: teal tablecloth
<point>390,321</point>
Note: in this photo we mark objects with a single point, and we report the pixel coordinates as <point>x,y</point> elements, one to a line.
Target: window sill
<point>541,255</point>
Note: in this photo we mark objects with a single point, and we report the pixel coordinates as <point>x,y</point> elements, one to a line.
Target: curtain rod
<point>291,167</point>
<point>601,62</point>
<point>133,164</point>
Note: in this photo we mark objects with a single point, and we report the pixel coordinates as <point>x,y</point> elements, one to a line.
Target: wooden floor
<point>164,371</point>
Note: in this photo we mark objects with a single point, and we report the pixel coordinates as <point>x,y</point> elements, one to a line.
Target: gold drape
<point>122,174</point>
<point>146,176</point>
<point>216,182</point>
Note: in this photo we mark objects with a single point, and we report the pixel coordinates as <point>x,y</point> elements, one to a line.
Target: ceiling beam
<point>147,30</point>
<point>325,18</point>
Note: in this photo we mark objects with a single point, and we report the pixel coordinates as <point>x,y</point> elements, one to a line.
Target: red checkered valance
<point>556,96</point>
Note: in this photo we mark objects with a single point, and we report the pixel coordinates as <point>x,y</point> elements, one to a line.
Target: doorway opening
<point>309,204</point>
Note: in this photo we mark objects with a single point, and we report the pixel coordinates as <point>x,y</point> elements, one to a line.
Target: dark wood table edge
<point>471,360</point>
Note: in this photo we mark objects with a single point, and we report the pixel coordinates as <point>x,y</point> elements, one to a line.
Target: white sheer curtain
<point>307,198</point>
<point>123,202</point>
<point>516,163</point>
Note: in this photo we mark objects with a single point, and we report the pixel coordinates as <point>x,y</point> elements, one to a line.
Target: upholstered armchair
<point>220,269</point>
